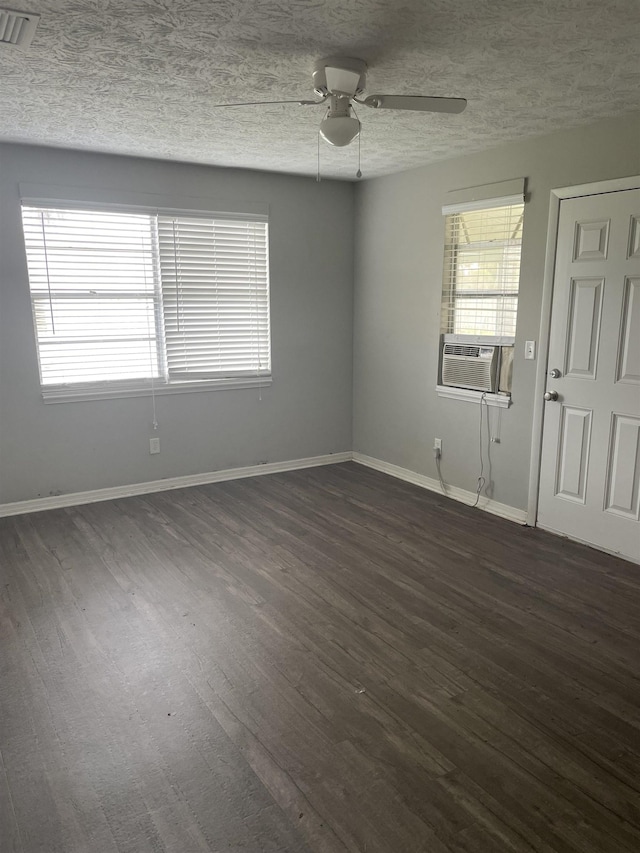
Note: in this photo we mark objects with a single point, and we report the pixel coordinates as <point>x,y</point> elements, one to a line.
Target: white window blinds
<point>482,269</point>
<point>128,299</point>
<point>93,295</point>
<point>215,296</point>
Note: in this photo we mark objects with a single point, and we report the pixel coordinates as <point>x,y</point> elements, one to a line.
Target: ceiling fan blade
<point>416,102</point>
<point>267,103</point>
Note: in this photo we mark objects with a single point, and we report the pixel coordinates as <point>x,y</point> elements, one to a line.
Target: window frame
<point>161,384</point>
<point>504,194</point>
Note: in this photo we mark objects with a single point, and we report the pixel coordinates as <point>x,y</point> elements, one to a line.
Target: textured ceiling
<point>140,76</point>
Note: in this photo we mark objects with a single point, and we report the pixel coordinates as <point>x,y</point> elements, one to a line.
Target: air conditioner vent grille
<point>468,366</point>
<point>468,375</point>
<point>17,28</point>
<point>461,349</point>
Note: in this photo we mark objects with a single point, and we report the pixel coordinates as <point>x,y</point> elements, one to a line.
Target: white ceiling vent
<point>17,28</point>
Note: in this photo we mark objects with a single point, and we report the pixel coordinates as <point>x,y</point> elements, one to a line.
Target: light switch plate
<point>530,349</point>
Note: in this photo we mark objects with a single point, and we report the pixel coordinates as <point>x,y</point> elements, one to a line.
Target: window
<point>482,269</point>
<point>123,301</point>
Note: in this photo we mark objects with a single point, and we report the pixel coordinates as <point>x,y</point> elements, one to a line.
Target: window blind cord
<point>153,403</point>
<point>518,228</point>
<point>254,282</point>
<point>318,179</point>
<point>481,479</point>
<point>151,365</point>
<point>153,381</point>
<point>46,264</point>
<point>175,267</point>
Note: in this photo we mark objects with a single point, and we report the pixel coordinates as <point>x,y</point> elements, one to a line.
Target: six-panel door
<point>590,469</point>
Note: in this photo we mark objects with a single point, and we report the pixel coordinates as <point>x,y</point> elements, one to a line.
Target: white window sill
<point>498,400</point>
<point>59,394</point>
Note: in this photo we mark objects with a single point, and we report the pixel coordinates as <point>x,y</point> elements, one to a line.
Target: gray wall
<point>68,447</point>
<point>398,281</point>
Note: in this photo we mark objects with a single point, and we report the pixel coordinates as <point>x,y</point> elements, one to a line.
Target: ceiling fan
<point>341,82</point>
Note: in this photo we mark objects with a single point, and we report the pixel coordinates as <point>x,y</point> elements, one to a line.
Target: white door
<point>590,469</point>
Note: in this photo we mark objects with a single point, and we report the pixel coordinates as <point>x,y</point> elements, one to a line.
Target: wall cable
<point>442,483</point>
<point>481,479</point>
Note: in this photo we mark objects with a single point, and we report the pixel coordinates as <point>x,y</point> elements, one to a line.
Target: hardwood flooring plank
<point>11,839</point>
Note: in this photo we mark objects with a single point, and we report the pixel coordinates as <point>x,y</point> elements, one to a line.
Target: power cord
<point>438,453</point>
<point>481,479</point>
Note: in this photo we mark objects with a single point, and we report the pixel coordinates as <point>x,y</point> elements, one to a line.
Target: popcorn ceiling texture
<point>140,76</point>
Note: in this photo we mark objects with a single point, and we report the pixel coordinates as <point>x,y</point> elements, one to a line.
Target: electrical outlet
<point>154,445</point>
<point>437,447</point>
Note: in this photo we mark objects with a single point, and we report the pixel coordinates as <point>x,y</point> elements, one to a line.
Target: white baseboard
<point>462,495</point>
<point>111,493</point>
<point>114,492</point>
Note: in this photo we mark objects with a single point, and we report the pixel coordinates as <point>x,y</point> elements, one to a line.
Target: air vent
<point>17,28</point>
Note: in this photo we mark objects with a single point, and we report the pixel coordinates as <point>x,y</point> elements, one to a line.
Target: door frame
<point>557,195</point>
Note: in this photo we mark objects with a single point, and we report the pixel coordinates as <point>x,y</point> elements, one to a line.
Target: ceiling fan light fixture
<point>339,130</point>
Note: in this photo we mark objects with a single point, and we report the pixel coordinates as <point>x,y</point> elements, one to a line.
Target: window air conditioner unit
<point>466,365</point>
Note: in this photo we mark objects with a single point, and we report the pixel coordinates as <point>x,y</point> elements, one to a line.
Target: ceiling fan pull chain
<point>359,172</point>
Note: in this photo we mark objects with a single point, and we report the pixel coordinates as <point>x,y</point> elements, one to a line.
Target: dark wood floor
<point>313,662</point>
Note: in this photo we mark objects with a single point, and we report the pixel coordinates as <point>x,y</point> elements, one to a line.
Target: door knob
<point>555,373</point>
<point>550,395</point>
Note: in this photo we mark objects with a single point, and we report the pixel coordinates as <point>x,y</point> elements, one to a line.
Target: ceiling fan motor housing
<point>339,75</point>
